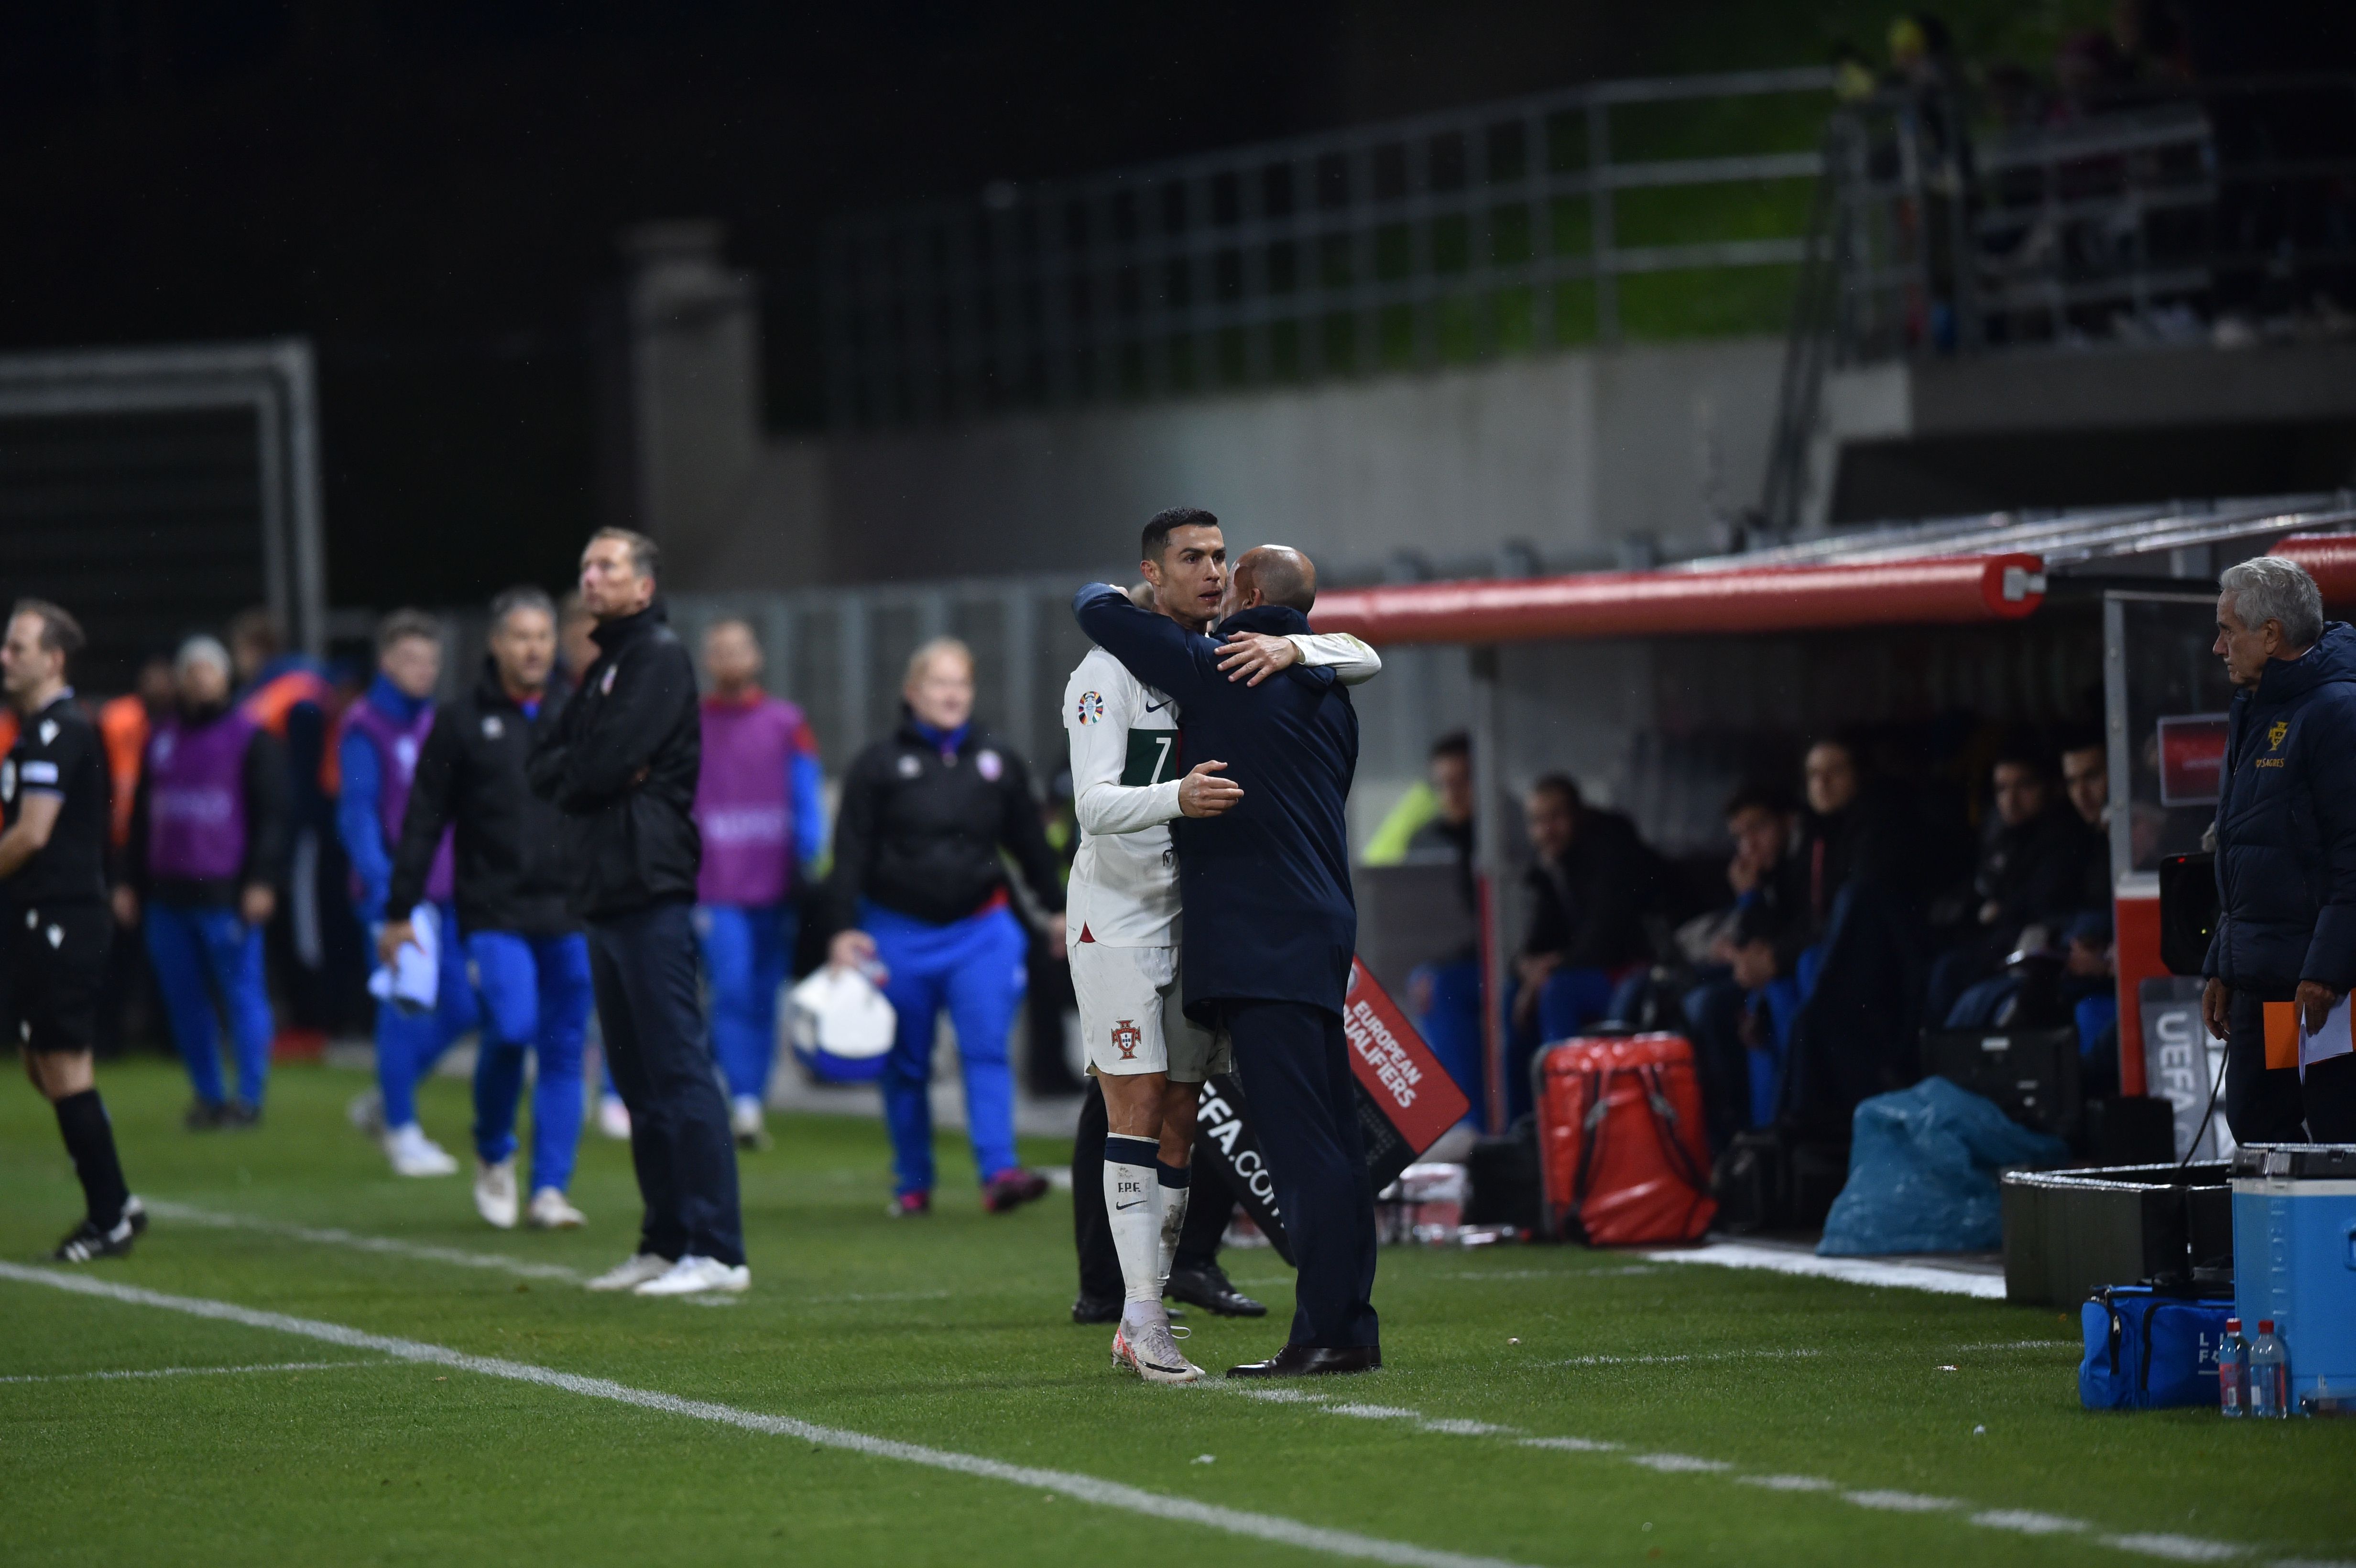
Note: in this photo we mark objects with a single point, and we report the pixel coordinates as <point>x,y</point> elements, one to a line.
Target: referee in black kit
<point>55,924</point>
<point>621,763</point>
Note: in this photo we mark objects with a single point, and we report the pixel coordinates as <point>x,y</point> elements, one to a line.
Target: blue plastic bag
<point>1922,1166</point>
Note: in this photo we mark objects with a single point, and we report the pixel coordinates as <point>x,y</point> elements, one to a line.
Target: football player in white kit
<point>1129,781</point>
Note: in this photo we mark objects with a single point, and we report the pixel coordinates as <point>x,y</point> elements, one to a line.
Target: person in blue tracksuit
<point>918,889</point>
<point>531,960</point>
<point>760,805</point>
<point>205,855</point>
<point>382,737</point>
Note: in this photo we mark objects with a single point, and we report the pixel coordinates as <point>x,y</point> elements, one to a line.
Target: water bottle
<point>2269,1373</point>
<point>2233,1370</point>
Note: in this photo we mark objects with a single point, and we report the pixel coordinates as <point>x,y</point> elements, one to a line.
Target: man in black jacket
<point>1273,925</point>
<point>530,960</point>
<point>621,764</point>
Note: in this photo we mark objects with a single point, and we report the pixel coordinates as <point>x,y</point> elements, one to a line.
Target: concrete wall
<point>1568,456</point>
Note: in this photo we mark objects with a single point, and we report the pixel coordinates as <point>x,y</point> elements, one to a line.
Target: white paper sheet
<point>2332,1039</point>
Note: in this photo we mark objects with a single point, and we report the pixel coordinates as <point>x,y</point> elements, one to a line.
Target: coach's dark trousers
<point>2269,1105</point>
<point>1295,1065</point>
<point>643,965</point>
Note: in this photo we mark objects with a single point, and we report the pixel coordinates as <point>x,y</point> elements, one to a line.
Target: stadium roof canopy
<point>1998,566</point>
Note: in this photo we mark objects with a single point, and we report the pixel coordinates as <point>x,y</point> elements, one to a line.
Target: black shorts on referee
<point>52,962</point>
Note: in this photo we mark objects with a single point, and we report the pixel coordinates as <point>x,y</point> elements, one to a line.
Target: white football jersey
<point>1125,774</point>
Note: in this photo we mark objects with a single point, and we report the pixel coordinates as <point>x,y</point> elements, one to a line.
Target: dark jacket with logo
<point>2286,825</point>
<point>1270,914</point>
<point>919,833</point>
<point>621,762</point>
<point>510,843</point>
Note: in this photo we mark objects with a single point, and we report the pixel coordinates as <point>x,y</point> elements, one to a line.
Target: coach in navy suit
<point>1271,926</point>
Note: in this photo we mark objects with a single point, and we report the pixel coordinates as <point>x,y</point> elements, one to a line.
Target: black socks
<point>90,1139</point>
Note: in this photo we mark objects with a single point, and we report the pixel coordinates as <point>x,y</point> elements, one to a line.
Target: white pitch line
<point>1086,1489</point>
<point>330,1236</point>
<point>1850,1271</point>
<point>185,1372</point>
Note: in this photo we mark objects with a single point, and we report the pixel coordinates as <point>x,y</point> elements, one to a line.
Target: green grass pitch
<point>1905,1427</point>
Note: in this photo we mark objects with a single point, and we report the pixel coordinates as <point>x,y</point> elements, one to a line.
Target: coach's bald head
<point>1273,575</point>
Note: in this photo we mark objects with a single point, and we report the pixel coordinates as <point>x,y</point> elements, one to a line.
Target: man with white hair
<point>208,851</point>
<point>2286,851</point>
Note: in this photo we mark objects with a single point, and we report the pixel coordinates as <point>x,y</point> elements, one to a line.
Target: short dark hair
<point>1561,785</point>
<point>646,555</point>
<point>1455,744</point>
<point>403,624</point>
<point>523,596</point>
<point>1757,796</point>
<point>60,632</point>
<point>1159,527</point>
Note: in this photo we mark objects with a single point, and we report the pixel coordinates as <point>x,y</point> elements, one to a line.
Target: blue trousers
<point>746,952</point>
<point>643,966</point>
<point>1569,1001</point>
<point>206,955</point>
<point>535,994</point>
<point>1451,1023</point>
<point>975,968</point>
<point>408,1044</point>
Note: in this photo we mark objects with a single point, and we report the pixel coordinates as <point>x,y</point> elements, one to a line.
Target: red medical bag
<point>1622,1154</point>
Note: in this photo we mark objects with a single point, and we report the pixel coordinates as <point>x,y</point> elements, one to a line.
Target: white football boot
<point>1150,1349</point>
<point>693,1275</point>
<point>613,1118</point>
<point>414,1154</point>
<point>495,1193</point>
<point>551,1211</point>
<point>631,1273</point>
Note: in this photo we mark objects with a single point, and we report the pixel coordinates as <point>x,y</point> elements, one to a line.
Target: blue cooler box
<point>2295,1262</point>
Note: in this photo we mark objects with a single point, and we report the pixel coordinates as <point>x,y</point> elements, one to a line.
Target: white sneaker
<point>550,1212</point>
<point>613,1118</point>
<point>1150,1349</point>
<point>745,1119</point>
<point>631,1273</point>
<point>495,1193</point>
<point>693,1275</point>
<point>365,1111</point>
<point>414,1154</point>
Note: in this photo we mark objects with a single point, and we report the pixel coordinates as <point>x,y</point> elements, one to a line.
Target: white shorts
<point>1133,1018</point>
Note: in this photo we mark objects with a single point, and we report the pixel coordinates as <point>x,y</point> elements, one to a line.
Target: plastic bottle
<point>2233,1370</point>
<point>2269,1373</point>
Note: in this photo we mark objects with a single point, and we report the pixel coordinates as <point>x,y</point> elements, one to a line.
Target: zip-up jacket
<point>621,762</point>
<point>920,828</point>
<point>511,843</point>
<point>2286,825</point>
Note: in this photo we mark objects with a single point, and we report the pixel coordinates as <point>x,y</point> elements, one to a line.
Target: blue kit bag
<point>2147,1348</point>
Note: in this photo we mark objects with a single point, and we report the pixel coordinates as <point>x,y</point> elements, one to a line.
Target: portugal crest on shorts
<point>1126,1038</point>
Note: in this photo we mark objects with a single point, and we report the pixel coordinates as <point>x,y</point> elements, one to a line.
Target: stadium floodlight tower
<point>158,491</point>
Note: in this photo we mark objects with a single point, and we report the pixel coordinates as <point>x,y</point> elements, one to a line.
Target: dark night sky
<point>431,190</point>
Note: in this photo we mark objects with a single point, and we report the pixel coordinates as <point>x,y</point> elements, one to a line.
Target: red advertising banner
<point>1395,1069</point>
<point>2192,758</point>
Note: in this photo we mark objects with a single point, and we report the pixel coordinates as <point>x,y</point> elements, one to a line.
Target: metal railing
<point>2219,212</point>
<point>1455,235</point>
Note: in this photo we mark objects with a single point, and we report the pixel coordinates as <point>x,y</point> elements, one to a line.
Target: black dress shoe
<point>1310,1360</point>
<point>1209,1287</point>
<point>1096,1310</point>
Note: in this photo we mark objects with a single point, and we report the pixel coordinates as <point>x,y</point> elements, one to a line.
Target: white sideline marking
<point>1679,1464</point>
<point>1571,1444</point>
<point>1455,1428</point>
<point>1790,1483</point>
<point>2176,1548</point>
<point>1374,1412</point>
<point>1794,1354</point>
<point>2028,1523</point>
<point>333,1237</point>
<point>1087,1488</point>
<point>186,1371</point>
<point>1852,1271</point>
<point>1900,1502</point>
